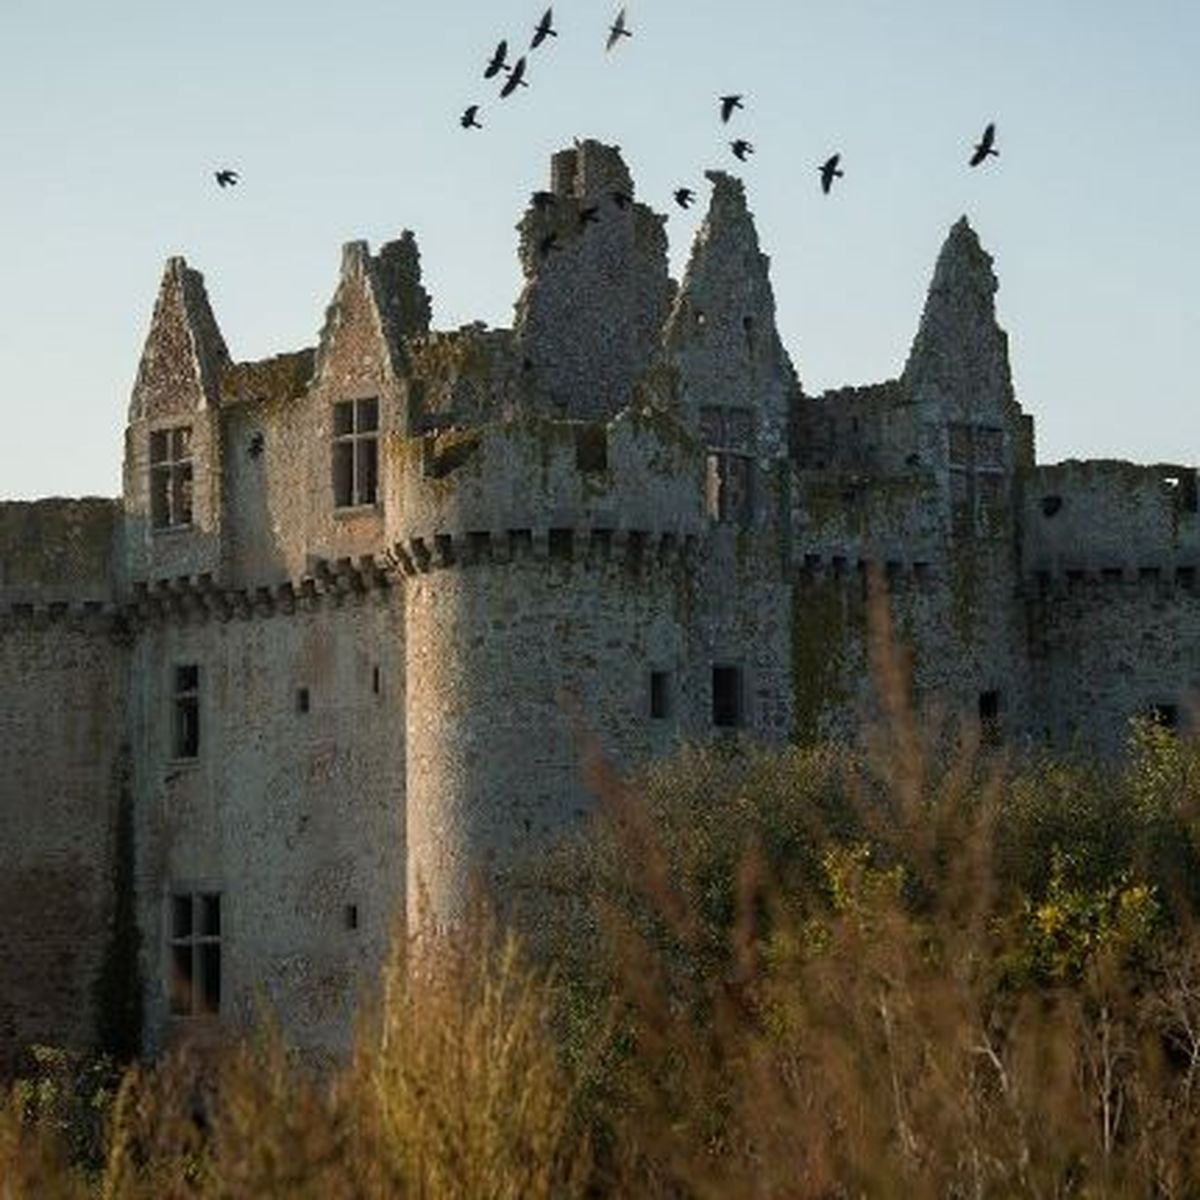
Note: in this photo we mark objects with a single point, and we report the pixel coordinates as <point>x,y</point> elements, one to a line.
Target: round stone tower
<point>545,576</point>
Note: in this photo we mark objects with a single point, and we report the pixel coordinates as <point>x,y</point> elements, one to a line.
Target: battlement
<point>57,551</point>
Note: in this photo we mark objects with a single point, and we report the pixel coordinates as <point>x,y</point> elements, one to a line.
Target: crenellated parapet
<point>639,471</point>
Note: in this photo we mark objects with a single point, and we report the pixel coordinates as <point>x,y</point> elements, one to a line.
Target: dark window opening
<point>1112,574</point>
<point>376,680</point>
<point>355,453</point>
<point>302,700</point>
<point>989,718</point>
<point>591,448</point>
<point>1185,577</point>
<point>186,732</point>
<point>562,543</point>
<point>1051,505</point>
<point>171,477</point>
<point>195,958</point>
<point>660,695</point>
<point>727,697</point>
<point>1165,716</point>
<point>351,916</point>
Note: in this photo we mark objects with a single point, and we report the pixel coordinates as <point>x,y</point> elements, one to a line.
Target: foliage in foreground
<point>808,974</point>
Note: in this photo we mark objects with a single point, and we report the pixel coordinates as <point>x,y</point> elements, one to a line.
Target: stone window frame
<point>171,478</point>
<point>194,929</point>
<point>354,453</point>
<point>185,712</point>
<point>976,454</point>
<point>728,432</point>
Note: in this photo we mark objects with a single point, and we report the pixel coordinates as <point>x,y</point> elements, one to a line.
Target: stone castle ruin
<point>318,650</point>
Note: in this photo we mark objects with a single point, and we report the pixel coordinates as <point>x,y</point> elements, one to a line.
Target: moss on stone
<point>821,628</point>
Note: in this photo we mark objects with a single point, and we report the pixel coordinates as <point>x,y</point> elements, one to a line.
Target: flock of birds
<point>498,64</point>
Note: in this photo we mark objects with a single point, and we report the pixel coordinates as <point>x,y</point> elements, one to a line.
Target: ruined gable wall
<point>590,318</point>
<point>292,816</point>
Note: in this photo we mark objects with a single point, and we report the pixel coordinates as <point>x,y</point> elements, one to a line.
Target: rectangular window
<point>989,448</point>
<point>195,959</point>
<point>186,732</point>
<point>727,697</point>
<point>660,695</point>
<point>355,452</point>
<point>171,477</point>
<point>960,445</point>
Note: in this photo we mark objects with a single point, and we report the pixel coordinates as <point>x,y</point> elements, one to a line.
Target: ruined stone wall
<point>292,816</point>
<point>589,320</point>
<point>61,729</point>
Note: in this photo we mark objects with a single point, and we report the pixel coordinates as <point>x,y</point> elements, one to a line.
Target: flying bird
<point>516,78</point>
<point>742,149</point>
<point>543,30</point>
<point>684,197</point>
<point>497,64</point>
<point>728,104</point>
<point>467,120</point>
<point>225,177</point>
<point>985,146</point>
<point>829,172</point>
<point>589,215</point>
<point>617,30</point>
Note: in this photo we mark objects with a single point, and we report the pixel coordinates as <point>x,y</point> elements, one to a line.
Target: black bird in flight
<point>516,78</point>
<point>829,172</point>
<point>728,104</point>
<point>497,64</point>
<point>617,30</point>
<point>985,145</point>
<point>543,30</point>
<point>589,215</point>
<point>742,149</point>
<point>225,177</point>
<point>548,243</point>
<point>622,199</point>
<point>684,197</point>
<point>467,120</point>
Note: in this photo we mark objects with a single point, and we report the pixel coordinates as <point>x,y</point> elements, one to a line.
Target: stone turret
<point>184,352</point>
<point>597,291</point>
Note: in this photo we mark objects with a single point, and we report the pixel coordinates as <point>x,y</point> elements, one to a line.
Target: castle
<point>322,648</point>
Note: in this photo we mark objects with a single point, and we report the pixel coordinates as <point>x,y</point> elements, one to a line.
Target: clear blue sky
<point>342,119</point>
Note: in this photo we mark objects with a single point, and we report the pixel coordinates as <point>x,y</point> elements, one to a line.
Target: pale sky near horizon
<point>343,123</point>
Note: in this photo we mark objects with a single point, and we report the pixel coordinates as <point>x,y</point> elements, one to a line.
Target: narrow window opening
<point>591,448</point>
<point>376,680</point>
<point>303,700</point>
<point>351,916</point>
<point>727,697</point>
<point>989,718</point>
<point>660,695</point>
<point>186,731</point>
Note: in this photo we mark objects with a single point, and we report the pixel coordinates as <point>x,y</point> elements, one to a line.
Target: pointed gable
<point>960,355</point>
<point>721,334</point>
<point>379,302</point>
<point>184,353</point>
